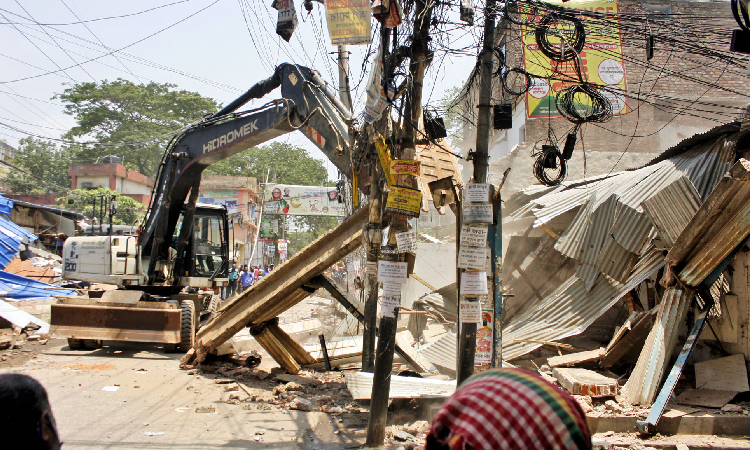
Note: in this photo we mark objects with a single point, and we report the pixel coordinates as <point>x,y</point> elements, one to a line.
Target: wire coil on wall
<point>573,42</point>
<point>508,85</point>
<point>576,109</point>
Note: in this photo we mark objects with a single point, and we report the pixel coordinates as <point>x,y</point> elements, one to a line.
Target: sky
<point>218,48</point>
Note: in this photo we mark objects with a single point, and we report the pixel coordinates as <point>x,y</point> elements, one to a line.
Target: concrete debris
<point>585,402</point>
<point>403,436</point>
<point>301,404</point>
<point>586,382</point>
<point>205,409</point>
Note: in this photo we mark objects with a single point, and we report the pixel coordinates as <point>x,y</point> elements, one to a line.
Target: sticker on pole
<point>405,167</point>
<point>477,213</point>
<point>389,305</point>
<point>474,236</point>
<point>473,258</point>
<point>473,283</point>
<point>477,192</point>
<point>406,241</point>
<point>470,310</point>
<point>389,271</point>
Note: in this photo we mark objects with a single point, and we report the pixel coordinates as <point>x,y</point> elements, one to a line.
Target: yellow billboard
<point>600,58</point>
<point>349,21</point>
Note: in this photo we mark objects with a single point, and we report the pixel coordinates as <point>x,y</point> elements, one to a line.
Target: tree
<point>131,120</point>
<point>291,165</point>
<point>128,210</point>
<point>455,116</point>
<point>43,168</point>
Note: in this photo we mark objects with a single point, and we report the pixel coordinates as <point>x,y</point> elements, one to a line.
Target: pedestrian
<point>243,269</point>
<point>232,284</point>
<point>509,409</point>
<point>256,273</point>
<point>26,420</point>
<point>246,279</point>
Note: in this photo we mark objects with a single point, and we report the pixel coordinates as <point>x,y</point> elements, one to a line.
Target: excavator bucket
<point>123,318</point>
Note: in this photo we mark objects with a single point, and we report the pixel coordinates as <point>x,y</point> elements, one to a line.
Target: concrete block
<point>586,382</point>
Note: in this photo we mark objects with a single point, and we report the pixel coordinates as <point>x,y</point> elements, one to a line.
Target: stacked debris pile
<point>614,269</point>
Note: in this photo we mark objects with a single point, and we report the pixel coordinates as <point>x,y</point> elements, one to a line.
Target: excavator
<point>166,274</point>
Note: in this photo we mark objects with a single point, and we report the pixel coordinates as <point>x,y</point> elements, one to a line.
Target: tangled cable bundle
<point>508,85</point>
<point>599,111</point>
<point>571,44</point>
<point>549,158</point>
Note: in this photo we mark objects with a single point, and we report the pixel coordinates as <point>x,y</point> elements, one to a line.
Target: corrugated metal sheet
<point>571,241</point>
<point>631,228</point>
<point>21,318</point>
<point>442,352</point>
<point>360,386</point>
<point>11,236</point>
<point>615,261</point>
<point>671,209</point>
<point>22,288</point>
<point>588,274</point>
<point>598,229</point>
<point>652,363</point>
<point>571,309</point>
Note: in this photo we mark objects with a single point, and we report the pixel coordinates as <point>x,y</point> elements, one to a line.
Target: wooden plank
<point>726,374</point>
<point>411,356</point>
<point>634,317</point>
<point>631,341</point>
<point>291,346</point>
<point>280,284</point>
<point>575,358</point>
<point>705,397</point>
<point>277,351</point>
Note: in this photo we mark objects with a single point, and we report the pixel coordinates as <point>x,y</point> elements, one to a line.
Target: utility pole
<point>468,331</point>
<point>387,331</point>
<point>344,90</point>
<point>374,235</point>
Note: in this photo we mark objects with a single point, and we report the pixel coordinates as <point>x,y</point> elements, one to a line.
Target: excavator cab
<point>206,259</point>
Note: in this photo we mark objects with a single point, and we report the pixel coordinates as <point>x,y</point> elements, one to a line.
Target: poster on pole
<point>389,271</point>
<point>473,258</point>
<point>349,21</point>
<point>293,200</point>
<point>601,59</point>
<point>473,283</point>
<point>406,241</point>
<point>474,235</point>
<point>470,310</point>
<point>389,304</point>
<point>404,201</point>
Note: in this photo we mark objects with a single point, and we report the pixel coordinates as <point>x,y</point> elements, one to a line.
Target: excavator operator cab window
<point>208,231</point>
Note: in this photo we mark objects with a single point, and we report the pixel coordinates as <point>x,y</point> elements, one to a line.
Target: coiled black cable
<point>573,43</point>
<point>550,158</point>
<point>508,86</point>
<point>599,111</point>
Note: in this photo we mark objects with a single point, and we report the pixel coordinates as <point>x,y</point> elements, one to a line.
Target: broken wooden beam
<point>298,353</point>
<point>262,298</point>
<point>630,342</point>
<point>276,349</point>
<point>576,358</point>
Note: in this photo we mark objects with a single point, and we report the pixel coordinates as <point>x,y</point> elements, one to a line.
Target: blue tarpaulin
<point>17,287</point>
<point>11,235</point>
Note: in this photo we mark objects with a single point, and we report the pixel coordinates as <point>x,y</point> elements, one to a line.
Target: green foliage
<point>132,119</point>
<point>45,161</point>
<point>128,210</point>
<point>292,165</point>
<point>454,116</point>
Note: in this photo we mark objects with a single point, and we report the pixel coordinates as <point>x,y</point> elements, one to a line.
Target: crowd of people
<point>242,277</point>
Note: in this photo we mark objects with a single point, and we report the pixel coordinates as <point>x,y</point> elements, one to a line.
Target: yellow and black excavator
<point>182,244</point>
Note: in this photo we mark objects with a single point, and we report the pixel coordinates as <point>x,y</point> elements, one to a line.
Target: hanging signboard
<point>266,229</point>
<point>470,310</point>
<point>473,258</point>
<point>293,200</point>
<point>601,59</point>
<point>474,236</point>
<point>477,212</point>
<point>404,201</point>
<point>389,271</point>
<point>349,21</point>
<point>287,20</point>
<point>405,167</point>
<point>477,192</point>
<point>384,155</point>
<point>389,305</point>
<point>406,241</point>
<point>228,198</point>
<point>473,283</point>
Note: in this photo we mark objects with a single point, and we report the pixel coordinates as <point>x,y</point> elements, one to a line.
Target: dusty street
<point>154,405</point>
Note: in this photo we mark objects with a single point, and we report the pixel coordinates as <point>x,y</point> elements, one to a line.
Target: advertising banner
<point>266,229</point>
<point>404,201</point>
<point>601,60</point>
<point>349,21</point>
<point>294,200</point>
<point>227,198</point>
